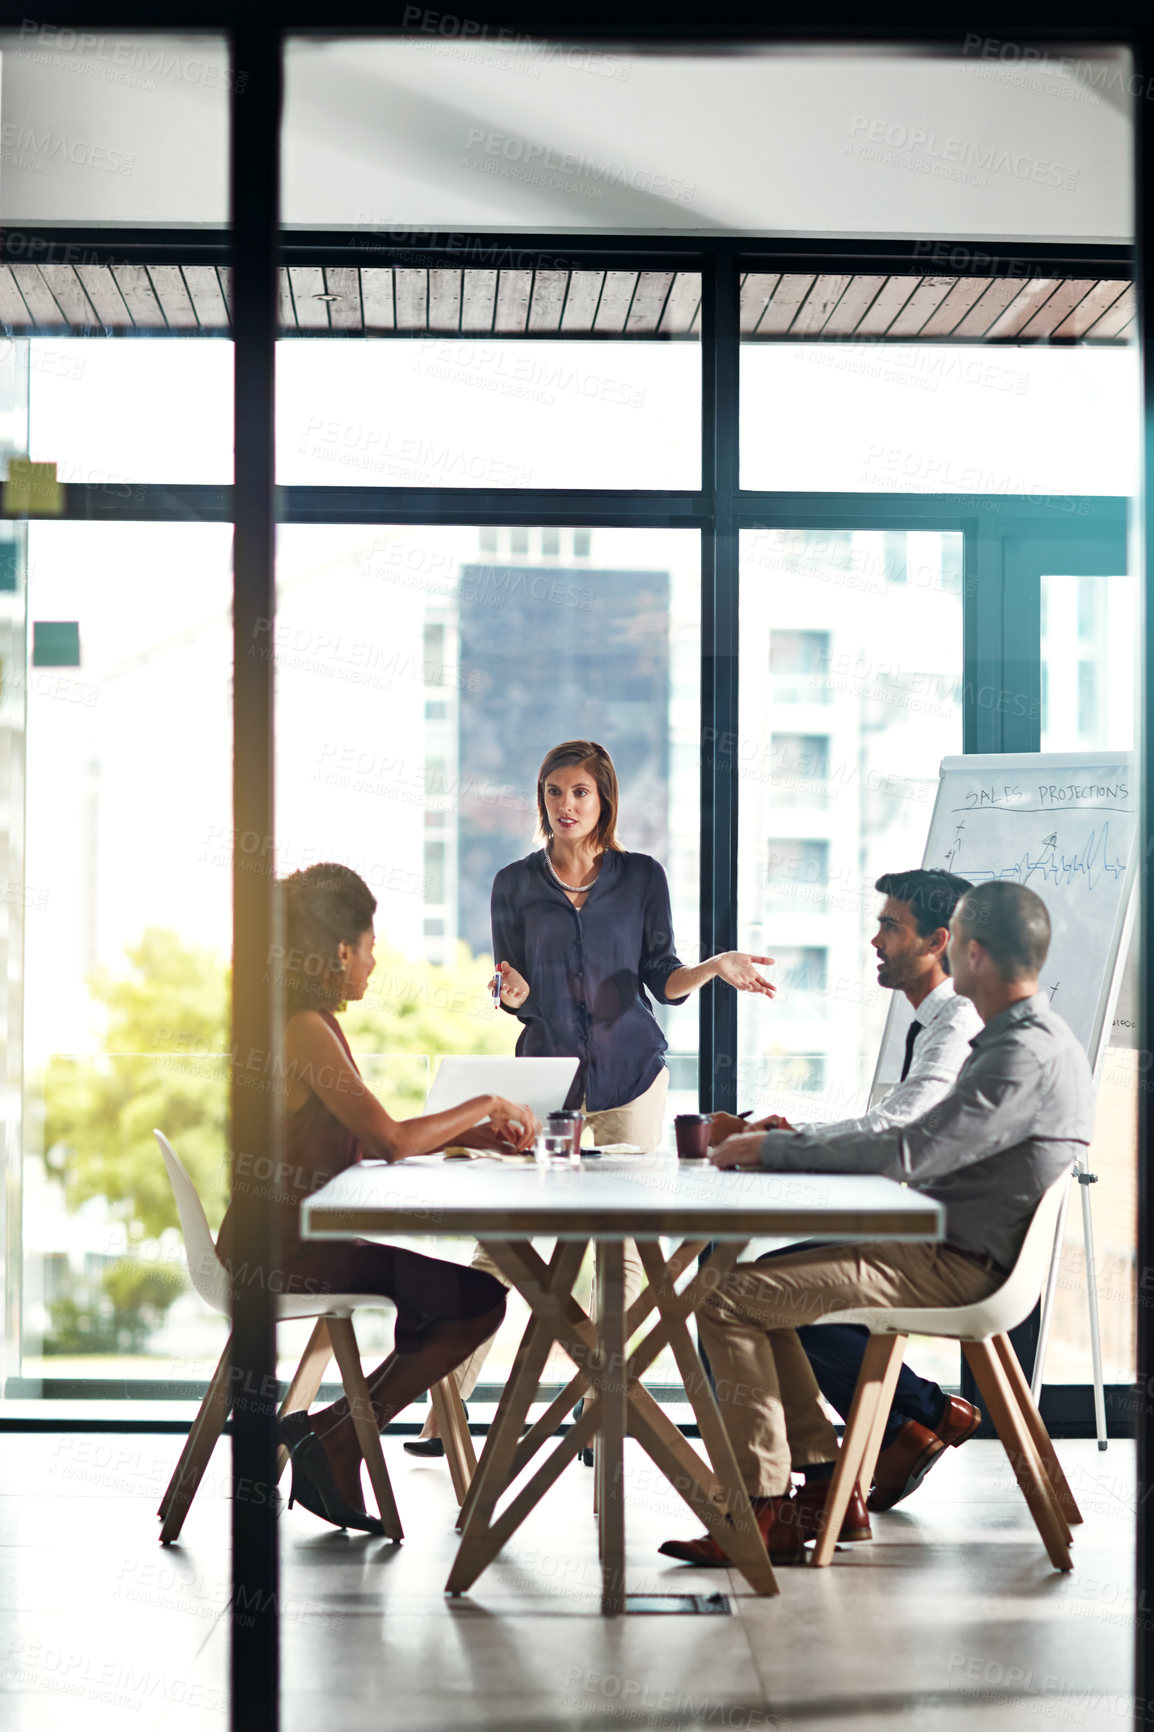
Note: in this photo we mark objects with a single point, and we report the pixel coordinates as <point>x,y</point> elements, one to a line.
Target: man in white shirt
<point>911,939</point>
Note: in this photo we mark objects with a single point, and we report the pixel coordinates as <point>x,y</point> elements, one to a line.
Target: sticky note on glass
<point>55,643</point>
<point>7,565</point>
<point>32,489</point>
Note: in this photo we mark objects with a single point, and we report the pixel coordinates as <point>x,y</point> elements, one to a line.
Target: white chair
<point>983,1331</point>
<point>333,1336</point>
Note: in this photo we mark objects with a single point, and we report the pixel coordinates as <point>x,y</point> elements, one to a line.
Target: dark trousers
<point>836,1351</point>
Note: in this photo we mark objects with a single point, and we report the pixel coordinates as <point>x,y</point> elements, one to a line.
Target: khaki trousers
<point>766,1389</point>
<point>639,1121</point>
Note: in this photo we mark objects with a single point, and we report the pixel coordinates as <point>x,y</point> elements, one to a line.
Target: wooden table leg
<point>611,1411</point>
<point>546,1290</point>
<point>736,1531</point>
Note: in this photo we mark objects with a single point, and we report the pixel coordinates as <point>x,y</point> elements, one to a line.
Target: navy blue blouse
<point>588,972</point>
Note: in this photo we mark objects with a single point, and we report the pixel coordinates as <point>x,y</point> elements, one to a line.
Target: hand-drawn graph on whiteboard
<point>1064,824</point>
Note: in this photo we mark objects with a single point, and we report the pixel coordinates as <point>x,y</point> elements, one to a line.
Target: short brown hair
<point>594,758</point>
<point>323,907</point>
<point>1011,924</point>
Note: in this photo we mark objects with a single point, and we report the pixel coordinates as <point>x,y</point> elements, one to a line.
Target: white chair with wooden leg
<point>332,1337</point>
<point>983,1332</point>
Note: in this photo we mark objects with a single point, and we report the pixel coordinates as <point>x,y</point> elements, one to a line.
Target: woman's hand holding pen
<point>509,986</point>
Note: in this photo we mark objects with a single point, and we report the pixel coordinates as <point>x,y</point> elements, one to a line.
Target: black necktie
<point>912,1033</point>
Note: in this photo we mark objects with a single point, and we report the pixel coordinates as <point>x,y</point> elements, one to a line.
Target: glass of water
<point>555,1149</point>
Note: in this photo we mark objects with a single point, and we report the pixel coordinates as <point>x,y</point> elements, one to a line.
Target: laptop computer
<point>538,1083</point>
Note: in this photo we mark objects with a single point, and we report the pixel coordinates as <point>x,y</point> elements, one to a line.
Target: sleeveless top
<point>316,1148</point>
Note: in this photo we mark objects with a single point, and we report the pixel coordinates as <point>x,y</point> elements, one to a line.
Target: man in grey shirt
<point>1018,1115</point>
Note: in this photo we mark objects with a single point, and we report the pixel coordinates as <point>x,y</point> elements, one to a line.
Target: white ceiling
<point>431,134</point>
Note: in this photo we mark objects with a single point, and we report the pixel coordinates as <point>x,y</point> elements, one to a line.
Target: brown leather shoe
<point>902,1467</point>
<point>959,1422</point>
<point>809,1501</point>
<point>779,1527</point>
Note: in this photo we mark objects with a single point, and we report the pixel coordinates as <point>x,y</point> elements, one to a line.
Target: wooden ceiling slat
<point>859,296</point>
<point>922,304</point>
<point>756,294</point>
<point>514,289</point>
<point>377,299</point>
<point>886,305</point>
<point>306,282</point>
<point>288,313</point>
<point>956,305</point>
<point>100,286</point>
<point>681,307</point>
<point>224,277</point>
<point>38,298</point>
<point>993,300</point>
<point>616,297</point>
<point>68,293</point>
<point>581,304</point>
<point>1115,320</point>
<point>133,283</point>
<point>175,301</point>
<point>1064,299</point>
<point>1088,311</point>
<point>548,300</point>
<point>345,314</point>
<point>1029,299</point>
<point>204,292</point>
<point>653,289</point>
<point>411,290</point>
<point>782,309</point>
<point>478,300</point>
<point>821,301</point>
<point>13,310</point>
<point>445,302</point>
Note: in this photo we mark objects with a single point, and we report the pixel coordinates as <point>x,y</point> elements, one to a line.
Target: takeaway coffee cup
<point>692,1133</point>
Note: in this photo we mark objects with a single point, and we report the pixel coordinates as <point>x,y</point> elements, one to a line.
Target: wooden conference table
<point>503,1204</point>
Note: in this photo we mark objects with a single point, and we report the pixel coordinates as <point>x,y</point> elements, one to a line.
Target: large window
<point>844,722</point>
<point>423,674</point>
<point>443,618</point>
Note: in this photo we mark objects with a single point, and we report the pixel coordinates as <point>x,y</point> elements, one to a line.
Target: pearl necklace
<point>572,889</point>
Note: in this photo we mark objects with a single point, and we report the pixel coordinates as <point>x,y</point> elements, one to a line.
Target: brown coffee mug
<point>692,1133</point>
<point>567,1120</point>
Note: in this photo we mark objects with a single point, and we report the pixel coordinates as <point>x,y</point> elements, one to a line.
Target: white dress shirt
<point>949,1023</point>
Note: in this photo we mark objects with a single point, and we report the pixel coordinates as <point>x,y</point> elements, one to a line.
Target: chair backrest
<point>205,1268</point>
<point>1018,1294</point>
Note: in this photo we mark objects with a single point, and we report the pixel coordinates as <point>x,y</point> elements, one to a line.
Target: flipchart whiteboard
<point>1065,824</point>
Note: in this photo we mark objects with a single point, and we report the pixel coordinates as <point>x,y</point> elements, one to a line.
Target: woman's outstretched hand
<point>514,988</point>
<point>516,1126</point>
<point>738,969</point>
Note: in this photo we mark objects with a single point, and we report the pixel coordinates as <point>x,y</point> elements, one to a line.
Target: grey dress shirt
<point>1020,1112</point>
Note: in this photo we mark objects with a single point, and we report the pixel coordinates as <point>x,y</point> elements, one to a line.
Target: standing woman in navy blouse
<point>583,941</point>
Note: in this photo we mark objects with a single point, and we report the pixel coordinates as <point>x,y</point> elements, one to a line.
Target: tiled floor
<point>950,1618</point>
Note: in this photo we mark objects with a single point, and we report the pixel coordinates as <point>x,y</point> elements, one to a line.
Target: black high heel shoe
<point>583,1455</point>
<point>428,1446</point>
<point>313,1485</point>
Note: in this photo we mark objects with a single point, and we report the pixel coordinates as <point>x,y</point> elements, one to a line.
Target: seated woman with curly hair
<point>331,1120</point>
